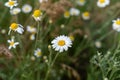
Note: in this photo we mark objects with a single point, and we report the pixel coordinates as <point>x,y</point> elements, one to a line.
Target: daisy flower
<point>116,25</point>
<point>103,3</point>
<point>98,44</point>
<point>66,14</point>
<point>80,2</point>
<point>15,11</point>
<point>16,27</point>
<point>43,1</point>
<point>86,15</point>
<point>26,8</point>
<point>37,15</point>
<point>31,29</point>
<point>74,12</point>
<point>61,43</point>
<point>12,43</point>
<point>11,3</point>
<point>32,37</point>
<point>38,52</point>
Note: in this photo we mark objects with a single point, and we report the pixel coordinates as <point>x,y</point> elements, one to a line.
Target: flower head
<point>74,12</point>
<point>66,14</point>
<point>116,25</point>
<point>103,3</point>
<point>86,15</point>
<point>38,52</point>
<point>15,11</point>
<point>16,27</point>
<point>80,2</point>
<point>37,15</point>
<point>43,1</point>
<point>11,3</point>
<point>26,8</point>
<point>31,29</point>
<point>61,43</point>
<point>12,43</point>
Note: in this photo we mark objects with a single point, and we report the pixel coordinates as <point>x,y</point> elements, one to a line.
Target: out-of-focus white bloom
<point>103,3</point>
<point>3,31</point>
<point>74,12</point>
<point>80,2</point>
<point>16,27</point>
<point>116,25</point>
<point>43,1</point>
<point>26,8</point>
<point>11,3</point>
<point>105,78</point>
<point>12,43</point>
<point>38,52</point>
<point>86,15</point>
<point>98,44</point>
<point>37,15</point>
<point>62,26</point>
<point>31,29</point>
<point>15,11</point>
<point>66,14</point>
<point>61,43</point>
<point>32,37</point>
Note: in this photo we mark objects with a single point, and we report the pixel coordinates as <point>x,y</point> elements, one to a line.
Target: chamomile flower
<point>16,27</point>
<point>11,3</point>
<point>74,12</point>
<point>37,15</point>
<point>32,37</point>
<point>43,1</point>
<point>31,29</point>
<point>86,15</point>
<point>26,8</point>
<point>61,43</point>
<point>103,3</point>
<point>80,2</point>
<point>38,52</point>
<point>98,44</point>
<point>12,43</point>
<point>66,14</point>
<point>15,11</point>
<point>116,25</point>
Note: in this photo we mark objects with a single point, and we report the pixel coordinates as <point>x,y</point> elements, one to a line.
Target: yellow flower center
<point>11,43</point>
<point>82,0</point>
<point>72,37</point>
<point>61,43</point>
<point>11,3</point>
<point>87,14</point>
<point>67,14</point>
<point>14,26</point>
<point>101,1</point>
<point>39,53</point>
<point>118,22</point>
<point>26,8</point>
<point>37,13</point>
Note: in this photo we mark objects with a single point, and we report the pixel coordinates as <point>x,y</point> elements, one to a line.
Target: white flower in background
<point>38,52</point>
<point>32,37</point>
<point>61,43</point>
<point>3,31</point>
<point>43,1</point>
<point>12,43</point>
<point>26,8</point>
<point>66,14</point>
<point>103,3</point>
<point>15,11</point>
<point>31,29</point>
<point>98,44</point>
<point>116,25</point>
<point>86,15</point>
<point>74,12</point>
<point>105,78</point>
<point>16,27</point>
<point>11,3</point>
<point>80,2</point>
<point>37,15</point>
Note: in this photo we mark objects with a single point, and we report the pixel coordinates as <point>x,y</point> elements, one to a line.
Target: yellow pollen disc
<point>82,0</point>
<point>67,14</point>
<point>118,22</point>
<point>39,53</point>
<point>11,3</point>
<point>26,8</point>
<point>11,43</point>
<point>61,43</point>
<point>14,26</point>
<point>86,14</point>
<point>37,13</point>
<point>101,1</point>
